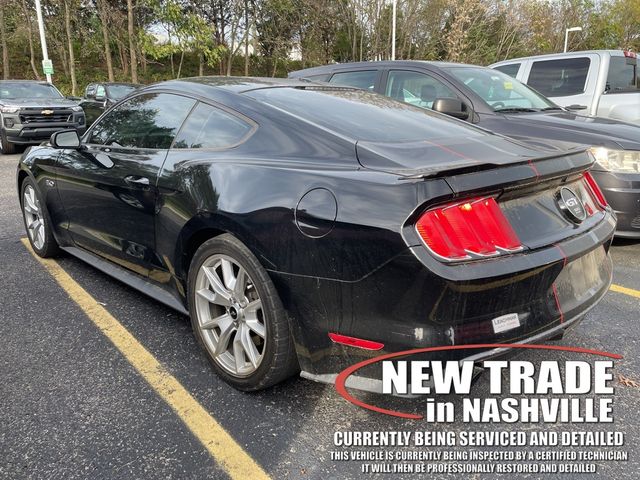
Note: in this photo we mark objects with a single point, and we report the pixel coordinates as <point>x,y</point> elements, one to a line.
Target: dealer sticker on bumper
<point>505,322</point>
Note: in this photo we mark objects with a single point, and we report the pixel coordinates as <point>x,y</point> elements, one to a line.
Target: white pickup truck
<point>597,82</point>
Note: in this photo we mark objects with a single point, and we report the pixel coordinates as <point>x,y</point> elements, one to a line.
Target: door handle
<point>137,181</point>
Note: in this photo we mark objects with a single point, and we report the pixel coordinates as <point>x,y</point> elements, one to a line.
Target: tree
<point>104,21</point>
<point>72,57</point>
<point>132,42</point>
<point>3,39</point>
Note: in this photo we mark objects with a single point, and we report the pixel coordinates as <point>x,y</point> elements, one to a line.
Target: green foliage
<point>203,33</point>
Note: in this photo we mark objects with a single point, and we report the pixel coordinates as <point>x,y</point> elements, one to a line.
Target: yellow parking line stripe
<point>625,290</point>
<point>225,450</point>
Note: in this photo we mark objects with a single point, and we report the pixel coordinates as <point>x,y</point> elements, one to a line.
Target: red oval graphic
<point>342,376</point>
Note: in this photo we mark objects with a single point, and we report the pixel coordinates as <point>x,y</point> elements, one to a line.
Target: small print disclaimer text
<point>466,452</point>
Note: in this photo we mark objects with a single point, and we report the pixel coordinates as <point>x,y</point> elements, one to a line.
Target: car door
<point>568,81</point>
<point>108,187</point>
<point>92,108</point>
<point>419,88</point>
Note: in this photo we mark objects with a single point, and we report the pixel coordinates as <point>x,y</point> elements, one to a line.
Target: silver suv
<point>30,111</point>
<point>597,82</point>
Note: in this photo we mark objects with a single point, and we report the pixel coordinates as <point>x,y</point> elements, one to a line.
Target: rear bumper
<point>622,191</point>
<point>405,305</point>
<point>374,385</point>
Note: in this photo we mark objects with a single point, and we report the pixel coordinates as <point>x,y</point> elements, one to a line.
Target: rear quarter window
<point>365,79</point>
<point>560,78</point>
<point>210,127</point>
<point>511,69</point>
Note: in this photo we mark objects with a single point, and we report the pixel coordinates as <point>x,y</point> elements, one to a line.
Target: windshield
<point>364,116</point>
<point>120,91</point>
<point>500,91</point>
<point>28,90</point>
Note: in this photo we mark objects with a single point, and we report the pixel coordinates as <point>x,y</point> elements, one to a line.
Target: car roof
<point>234,84</point>
<point>614,53</point>
<point>39,82</point>
<point>380,64</point>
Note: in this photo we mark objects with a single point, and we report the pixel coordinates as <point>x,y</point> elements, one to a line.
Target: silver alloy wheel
<point>229,314</point>
<point>33,217</point>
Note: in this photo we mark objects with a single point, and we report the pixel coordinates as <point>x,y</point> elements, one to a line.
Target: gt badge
<point>571,205</point>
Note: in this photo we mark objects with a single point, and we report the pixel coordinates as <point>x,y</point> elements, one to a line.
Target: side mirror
<point>65,139</point>
<point>451,106</point>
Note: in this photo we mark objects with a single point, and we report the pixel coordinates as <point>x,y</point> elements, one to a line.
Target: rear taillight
<point>595,191</point>
<point>471,229</point>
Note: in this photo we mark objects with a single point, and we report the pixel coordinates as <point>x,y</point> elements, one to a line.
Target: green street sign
<point>47,66</point>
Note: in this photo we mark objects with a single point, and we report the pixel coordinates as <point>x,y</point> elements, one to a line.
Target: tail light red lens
<point>595,190</point>
<point>471,229</point>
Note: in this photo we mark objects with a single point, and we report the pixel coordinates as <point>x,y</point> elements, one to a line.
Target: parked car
<point>501,104</point>
<point>303,225</point>
<point>30,111</point>
<point>100,96</point>
<point>598,82</point>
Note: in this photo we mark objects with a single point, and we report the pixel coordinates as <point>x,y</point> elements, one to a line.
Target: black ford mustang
<point>302,226</point>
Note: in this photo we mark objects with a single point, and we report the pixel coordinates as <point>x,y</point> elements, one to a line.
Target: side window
<point>623,75</point>
<point>145,121</point>
<point>90,91</point>
<point>323,77</point>
<point>365,79</point>
<point>416,88</point>
<point>100,91</point>
<point>511,69</point>
<point>210,127</point>
<point>560,78</point>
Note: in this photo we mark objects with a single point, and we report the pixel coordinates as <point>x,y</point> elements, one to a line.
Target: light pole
<point>393,31</point>
<point>566,36</point>
<point>43,40</point>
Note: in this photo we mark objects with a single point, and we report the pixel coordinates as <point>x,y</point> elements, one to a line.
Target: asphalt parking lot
<point>74,406</point>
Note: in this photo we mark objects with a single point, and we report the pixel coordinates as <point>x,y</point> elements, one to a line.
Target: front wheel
<point>237,316</point>
<point>36,221</point>
<point>7,147</point>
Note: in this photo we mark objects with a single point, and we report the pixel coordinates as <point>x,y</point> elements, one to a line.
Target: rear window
<point>365,79</point>
<point>364,116</point>
<point>560,78</point>
<point>210,127</point>
<point>511,69</point>
<point>623,75</point>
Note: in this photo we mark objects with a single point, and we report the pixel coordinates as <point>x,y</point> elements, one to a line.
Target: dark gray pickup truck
<point>30,111</point>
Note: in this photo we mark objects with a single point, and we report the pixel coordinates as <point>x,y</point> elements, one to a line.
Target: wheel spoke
<point>41,232</point>
<point>221,321</point>
<point>28,208</point>
<point>251,310</point>
<point>249,347</point>
<point>29,202</point>
<point>238,351</point>
<point>240,284</point>
<point>226,330</point>
<point>211,297</point>
<point>217,286</point>
<point>227,274</point>
<point>33,199</point>
<point>257,327</point>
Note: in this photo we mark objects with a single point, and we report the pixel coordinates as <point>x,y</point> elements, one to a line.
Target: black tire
<point>279,360</point>
<point>8,148</point>
<point>49,246</point>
